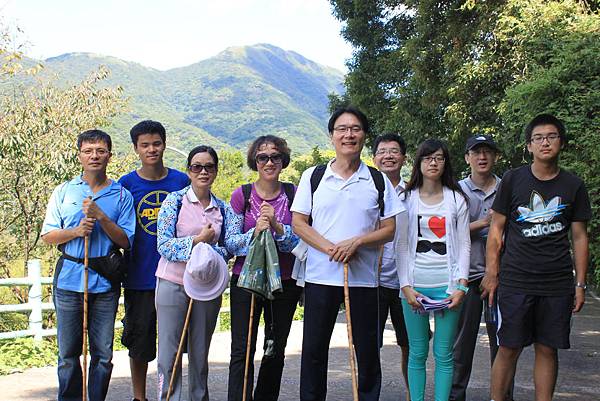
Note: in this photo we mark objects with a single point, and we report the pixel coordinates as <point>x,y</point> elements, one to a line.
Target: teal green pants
<point>417,326</point>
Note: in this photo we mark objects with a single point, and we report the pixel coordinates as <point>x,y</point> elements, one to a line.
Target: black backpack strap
<point>315,179</point>
<point>289,190</point>
<point>221,241</point>
<point>246,191</point>
<point>380,186</point>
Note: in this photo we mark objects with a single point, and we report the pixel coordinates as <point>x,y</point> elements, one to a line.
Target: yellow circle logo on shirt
<point>148,208</point>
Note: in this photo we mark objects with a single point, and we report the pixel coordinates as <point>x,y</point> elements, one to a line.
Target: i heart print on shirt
<point>437,225</point>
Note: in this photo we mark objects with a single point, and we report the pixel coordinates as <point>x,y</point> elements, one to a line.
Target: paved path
<point>578,379</point>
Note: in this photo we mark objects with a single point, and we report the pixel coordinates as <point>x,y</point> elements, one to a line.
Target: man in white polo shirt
<point>349,224</point>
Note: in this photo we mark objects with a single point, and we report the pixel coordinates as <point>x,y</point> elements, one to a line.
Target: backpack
<point>288,189</point>
<point>319,171</point>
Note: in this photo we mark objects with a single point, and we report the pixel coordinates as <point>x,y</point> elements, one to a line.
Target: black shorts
<point>526,319</point>
<point>139,324</point>
<point>389,300</point>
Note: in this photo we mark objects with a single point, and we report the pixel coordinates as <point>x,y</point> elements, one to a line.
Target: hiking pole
<point>180,348</point>
<point>349,328</point>
<point>248,346</point>
<point>86,247</point>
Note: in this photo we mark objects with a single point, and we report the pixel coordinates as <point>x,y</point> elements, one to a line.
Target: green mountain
<point>225,101</point>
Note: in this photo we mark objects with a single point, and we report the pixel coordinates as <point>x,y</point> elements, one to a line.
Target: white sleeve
<point>392,204</point>
<point>303,197</point>
<point>401,252</point>
<point>464,238</point>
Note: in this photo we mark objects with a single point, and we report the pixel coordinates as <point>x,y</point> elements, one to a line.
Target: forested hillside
<point>224,101</point>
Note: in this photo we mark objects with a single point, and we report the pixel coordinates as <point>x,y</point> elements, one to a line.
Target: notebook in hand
<point>430,305</point>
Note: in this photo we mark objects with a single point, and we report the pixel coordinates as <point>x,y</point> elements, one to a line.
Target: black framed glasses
<point>342,129</point>
<point>276,158</point>
<point>197,168</point>
<point>538,139</point>
<point>429,159</point>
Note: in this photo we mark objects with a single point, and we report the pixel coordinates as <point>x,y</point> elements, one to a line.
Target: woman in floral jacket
<point>186,218</point>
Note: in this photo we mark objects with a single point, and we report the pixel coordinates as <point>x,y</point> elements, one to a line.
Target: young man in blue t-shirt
<point>149,185</point>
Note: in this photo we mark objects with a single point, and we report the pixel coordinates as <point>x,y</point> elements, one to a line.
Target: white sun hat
<point>206,275</point>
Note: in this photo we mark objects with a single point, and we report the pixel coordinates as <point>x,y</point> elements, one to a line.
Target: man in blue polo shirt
<point>149,185</point>
<point>89,205</point>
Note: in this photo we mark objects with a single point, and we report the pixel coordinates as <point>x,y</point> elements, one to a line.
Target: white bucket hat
<point>206,275</point>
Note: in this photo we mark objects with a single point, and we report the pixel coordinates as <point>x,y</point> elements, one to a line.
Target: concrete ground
<point>578,380</point>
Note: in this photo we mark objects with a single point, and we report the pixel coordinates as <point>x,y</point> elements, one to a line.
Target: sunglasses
<point>197,168</point>
<point>276,158</point>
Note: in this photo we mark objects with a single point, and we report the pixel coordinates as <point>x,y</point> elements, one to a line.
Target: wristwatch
<point>581,285</point>
<point>462,288</point>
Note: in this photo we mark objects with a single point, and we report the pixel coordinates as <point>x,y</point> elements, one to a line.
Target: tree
<point>38,126</point>
<point>451,69</point>
<point>233,172</point>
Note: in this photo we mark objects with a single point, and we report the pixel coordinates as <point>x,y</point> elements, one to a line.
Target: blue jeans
<point>102,310</point>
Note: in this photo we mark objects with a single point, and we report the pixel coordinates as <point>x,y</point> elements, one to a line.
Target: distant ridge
<point>225,101</point>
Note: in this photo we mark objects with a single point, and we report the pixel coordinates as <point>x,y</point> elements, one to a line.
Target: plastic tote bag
<point>260,273</point>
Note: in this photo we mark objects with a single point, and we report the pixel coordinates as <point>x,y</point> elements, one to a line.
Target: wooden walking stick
<point>349,328</point>
<point>248,346</point>
<point>86,247</point>
<point>186,323</point>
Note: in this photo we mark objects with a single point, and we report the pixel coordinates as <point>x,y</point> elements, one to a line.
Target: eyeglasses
<point>100,152</point>
<point>429,159</point>
<point>538,139</point>
<point>344,128</point>
<point>391,151</point>
<point>197,168</point>
<point>276,158</point>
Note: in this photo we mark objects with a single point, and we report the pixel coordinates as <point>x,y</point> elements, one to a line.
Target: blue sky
<point>167,34</point>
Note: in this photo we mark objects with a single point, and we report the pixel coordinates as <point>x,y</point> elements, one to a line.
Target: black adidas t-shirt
<point>536,256</point>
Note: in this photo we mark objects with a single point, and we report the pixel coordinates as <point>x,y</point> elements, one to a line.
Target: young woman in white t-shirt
<point>433,260</point>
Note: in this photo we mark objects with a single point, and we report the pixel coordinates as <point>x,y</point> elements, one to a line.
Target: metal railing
<point>35,306</point>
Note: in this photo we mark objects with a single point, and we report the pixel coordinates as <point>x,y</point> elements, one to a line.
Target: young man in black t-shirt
<point>532,270</point>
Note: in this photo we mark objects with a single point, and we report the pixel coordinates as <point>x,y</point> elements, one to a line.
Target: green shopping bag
<point>260,273</point>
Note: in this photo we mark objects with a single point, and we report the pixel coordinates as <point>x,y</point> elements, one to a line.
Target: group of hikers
<point>502,246</point>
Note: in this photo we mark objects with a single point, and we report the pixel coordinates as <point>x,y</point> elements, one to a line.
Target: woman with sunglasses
<point>433,251</point>
<point>266,206</point>
<point>187,217</point>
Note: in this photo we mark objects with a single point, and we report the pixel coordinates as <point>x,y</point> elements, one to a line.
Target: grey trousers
<point>171,307</point>
<point>466,339</point>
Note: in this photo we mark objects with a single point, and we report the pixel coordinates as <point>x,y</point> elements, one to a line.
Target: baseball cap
<point>206,275</point>
<point>480,139</point>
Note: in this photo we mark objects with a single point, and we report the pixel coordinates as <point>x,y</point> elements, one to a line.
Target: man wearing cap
<point>94,206</point>
<point>481,154</point>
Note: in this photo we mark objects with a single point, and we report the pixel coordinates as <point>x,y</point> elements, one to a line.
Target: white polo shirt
<point>343,209</point>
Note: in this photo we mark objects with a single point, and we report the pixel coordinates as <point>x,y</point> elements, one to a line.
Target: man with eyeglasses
<point>481,154</point>
<point>349,224</point>
<point>90,205</point>
<point>150,184</point>
<point>389,155</point>
<point>531,268</point>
